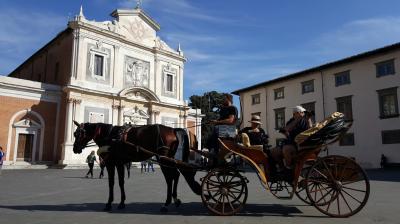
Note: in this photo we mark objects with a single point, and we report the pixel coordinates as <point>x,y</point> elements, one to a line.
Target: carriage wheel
<point>337,186</point>
<point>224,192</point>
<point>301,191</point>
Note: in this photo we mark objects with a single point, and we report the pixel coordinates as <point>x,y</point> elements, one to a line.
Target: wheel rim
<point>224,192</point>
<point>337,186</point>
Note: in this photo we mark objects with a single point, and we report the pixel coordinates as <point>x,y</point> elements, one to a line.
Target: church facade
<point>114,72</point>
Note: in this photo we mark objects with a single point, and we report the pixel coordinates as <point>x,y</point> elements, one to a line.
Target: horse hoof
<point>107,208</point>
<point>178,202</point>
<point>121,206</point>
<point>164,209</point>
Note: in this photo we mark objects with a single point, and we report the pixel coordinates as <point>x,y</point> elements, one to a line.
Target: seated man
<point>297,124</point>
<point>254,135</point>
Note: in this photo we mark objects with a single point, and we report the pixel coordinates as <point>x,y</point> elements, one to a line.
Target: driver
<point>284,154</point>
<point>227,116</point>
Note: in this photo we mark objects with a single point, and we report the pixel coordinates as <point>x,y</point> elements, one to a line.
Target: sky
<point>229,44</point>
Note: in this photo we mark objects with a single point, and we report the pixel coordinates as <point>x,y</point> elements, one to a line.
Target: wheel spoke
<point>352,196</point>
<point>321,174</point>
<point>338,204</point>
<point>343,171</point>
<point>353,189</point>
<point>351,182</point>
<point>223,204</point>
<point>341,194</point>
<point>318,181</point>
<point>323,196</point>
<point>230,204</point>
<point>329,171</point>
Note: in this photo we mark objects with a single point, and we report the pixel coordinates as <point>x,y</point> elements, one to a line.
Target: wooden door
<point>25,146</point>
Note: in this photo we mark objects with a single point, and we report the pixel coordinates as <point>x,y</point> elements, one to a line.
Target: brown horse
<point>134,144</point>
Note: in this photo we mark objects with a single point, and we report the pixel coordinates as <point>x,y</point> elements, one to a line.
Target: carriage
<point>336,185</point>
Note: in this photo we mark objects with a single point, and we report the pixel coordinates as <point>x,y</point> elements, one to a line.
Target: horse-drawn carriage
<point>336,185</point>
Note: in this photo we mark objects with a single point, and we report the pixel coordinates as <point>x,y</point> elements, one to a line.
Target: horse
<point>134,144</point>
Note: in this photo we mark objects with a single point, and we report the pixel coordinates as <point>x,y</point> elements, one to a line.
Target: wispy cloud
<point>358,36</point>
<point>178,8</point>
<point>23,33</point>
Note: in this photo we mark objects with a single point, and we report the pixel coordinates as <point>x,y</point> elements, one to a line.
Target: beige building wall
<point>364,83</point>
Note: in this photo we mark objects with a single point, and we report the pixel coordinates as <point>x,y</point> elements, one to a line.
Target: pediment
<point>139,93</point>
<point>27,123</point>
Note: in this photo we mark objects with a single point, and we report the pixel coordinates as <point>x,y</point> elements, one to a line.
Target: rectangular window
<point>342,78</point>
<point>169,83</point>
<point>388,104</point>
<point>310,107</point>
<point>347,139</point>
<point>279,118</point>
<point>98,65</point>
<point>279,93</point>
<point>307,86</point>
<point>344,106</point>
<point>385,68</point>
<point>391,137</point>
<point>56,71</point>
<point>255,99</point>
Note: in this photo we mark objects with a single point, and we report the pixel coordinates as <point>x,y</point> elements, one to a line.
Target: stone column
<point>115,113</point>
<point>121,115</point>
<point>180,75</point>
<point>68,121</point>
<point>77,111</point>
<point>116,81</point>
<point>155,115</point>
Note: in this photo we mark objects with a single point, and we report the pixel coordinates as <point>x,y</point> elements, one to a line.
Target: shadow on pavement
<point>392,175</point>
<point>150,208</point>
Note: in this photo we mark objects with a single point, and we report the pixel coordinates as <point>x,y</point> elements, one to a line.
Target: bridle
<point>81,136</point>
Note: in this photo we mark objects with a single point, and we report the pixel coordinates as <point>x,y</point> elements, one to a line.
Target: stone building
<point>365,87</point>
<point>114,72</point>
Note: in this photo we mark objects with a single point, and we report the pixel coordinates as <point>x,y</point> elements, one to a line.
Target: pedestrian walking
<point>2,155</point>
<point>150,164</point>
<point>143,166</point>
<point>90,159</point>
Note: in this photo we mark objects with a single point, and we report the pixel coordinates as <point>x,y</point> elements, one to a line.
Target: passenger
<point>254,135</point>
<point>285,153</point>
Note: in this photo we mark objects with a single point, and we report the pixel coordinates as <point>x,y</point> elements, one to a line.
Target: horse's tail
<point>188,174</point>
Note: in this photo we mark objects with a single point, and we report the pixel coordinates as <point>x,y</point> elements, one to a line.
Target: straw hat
<point>255,119</point>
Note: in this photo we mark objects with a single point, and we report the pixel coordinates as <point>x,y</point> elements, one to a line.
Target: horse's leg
<point>111,173</point>
<point>177,201</point>
<point>121,182</point>
<point>168,178</point>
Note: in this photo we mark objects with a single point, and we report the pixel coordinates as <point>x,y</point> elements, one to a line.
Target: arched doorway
<point>27,128</point>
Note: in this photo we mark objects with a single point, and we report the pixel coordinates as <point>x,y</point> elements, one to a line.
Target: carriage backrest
<point>325,132</point>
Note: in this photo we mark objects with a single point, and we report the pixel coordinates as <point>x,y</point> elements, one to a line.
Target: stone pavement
<point>65,196</point>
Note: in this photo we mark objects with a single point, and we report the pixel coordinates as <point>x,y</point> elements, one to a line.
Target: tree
<point>209,103</point>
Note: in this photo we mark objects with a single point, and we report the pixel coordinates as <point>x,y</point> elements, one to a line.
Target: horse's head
<point>83,134</point>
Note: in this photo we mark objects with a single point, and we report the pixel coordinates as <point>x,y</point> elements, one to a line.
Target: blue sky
<point>230,44</point>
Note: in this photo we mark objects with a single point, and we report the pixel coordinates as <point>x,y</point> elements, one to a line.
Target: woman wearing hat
<point>255,133</point>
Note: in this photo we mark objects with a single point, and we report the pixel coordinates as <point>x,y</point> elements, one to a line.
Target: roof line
<point>324,66</point>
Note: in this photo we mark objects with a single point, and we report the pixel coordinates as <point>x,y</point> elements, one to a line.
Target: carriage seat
<point>246,142</point>
<point>329,130</point>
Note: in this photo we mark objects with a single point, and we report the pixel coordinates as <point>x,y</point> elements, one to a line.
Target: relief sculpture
<point>136,72</point>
